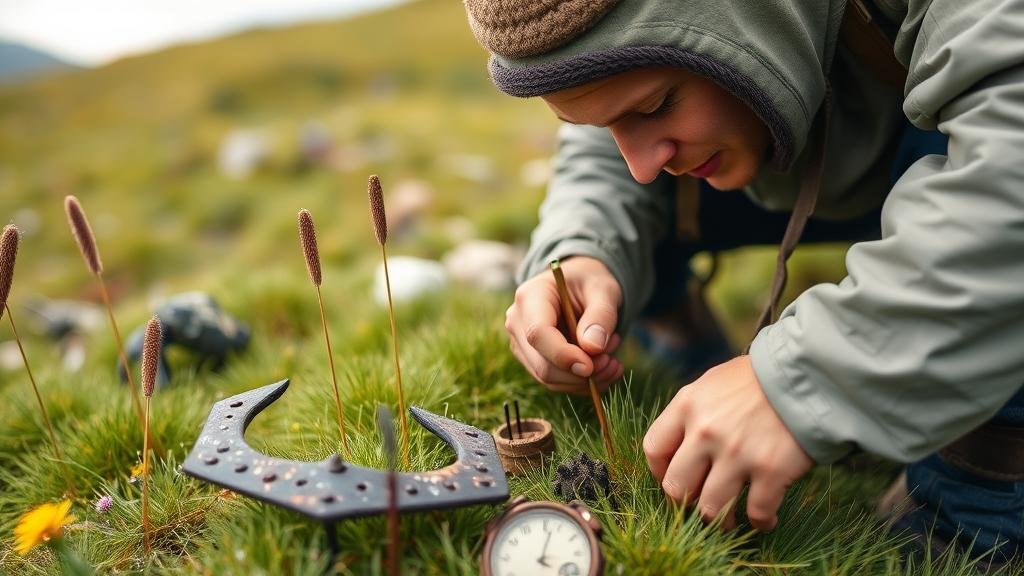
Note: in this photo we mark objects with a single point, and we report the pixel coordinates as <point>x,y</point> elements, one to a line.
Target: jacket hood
<point>773,55</point>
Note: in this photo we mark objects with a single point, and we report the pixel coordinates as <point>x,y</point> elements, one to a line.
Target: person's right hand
<point>532,325</point>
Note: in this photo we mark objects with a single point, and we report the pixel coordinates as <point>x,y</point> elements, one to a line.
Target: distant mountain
<point>18,61</point>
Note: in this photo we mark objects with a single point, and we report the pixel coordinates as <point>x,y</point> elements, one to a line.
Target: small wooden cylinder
<point>520,454</point>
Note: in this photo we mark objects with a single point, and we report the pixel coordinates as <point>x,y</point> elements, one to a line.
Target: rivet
<point>471,434</point>
<point>223,448</point>
<point>450,484</point>
<point>362,486</point>
<point>236,404</point>
<point>241,468</point>
<point>211,460</point>
<point>327,498</point>
<point>481,468</point>
<point>270,477</point>
<point>412,490</point>
<point>336,465</point>
<point>301,482</point>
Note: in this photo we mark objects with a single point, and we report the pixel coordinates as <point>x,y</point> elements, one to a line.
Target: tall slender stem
<point>120,347</point>
<point>42,407</point>
<point>145,482</point>
<point>334,376</point>
<point>398,367</point>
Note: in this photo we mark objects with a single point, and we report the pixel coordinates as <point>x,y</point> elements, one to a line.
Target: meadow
<point>403,94</point>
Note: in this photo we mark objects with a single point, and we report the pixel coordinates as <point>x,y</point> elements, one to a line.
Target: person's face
<point>671,120</point>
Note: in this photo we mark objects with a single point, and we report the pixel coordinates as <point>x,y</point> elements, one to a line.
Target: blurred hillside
<point>18,62</point>
<point>403,93</point>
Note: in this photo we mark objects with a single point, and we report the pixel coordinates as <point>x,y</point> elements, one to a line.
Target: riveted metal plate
<point>332,489</point>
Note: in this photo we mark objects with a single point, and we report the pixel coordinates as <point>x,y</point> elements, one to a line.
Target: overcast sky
<point>93,32</point>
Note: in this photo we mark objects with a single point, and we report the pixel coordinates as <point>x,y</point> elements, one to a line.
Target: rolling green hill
<point>142,135</point>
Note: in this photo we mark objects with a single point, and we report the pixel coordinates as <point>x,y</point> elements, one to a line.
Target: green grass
<point>455,362</point>
<point>137,142</point>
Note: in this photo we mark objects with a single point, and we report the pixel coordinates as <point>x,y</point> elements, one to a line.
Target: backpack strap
<point>862,34</point>
<point>802,209</point>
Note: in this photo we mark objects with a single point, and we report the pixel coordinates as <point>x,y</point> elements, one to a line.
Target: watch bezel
<point>576,511</point>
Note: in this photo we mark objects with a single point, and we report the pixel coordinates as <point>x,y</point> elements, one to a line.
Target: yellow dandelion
<point>138,470</point>
<point>41,524</point>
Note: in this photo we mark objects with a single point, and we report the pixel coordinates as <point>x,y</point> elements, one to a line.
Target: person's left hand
<point>718,434</point>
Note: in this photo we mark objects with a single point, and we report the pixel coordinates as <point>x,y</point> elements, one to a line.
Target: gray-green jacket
<point>924,340</point>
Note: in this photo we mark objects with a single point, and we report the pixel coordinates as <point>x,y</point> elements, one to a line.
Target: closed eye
<point>668,103</point>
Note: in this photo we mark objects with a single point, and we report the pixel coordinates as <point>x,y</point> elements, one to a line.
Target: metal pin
<point>508,422</point>
<point>519,423</point>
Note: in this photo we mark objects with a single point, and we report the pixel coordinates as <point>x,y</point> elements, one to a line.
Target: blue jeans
<point>957,503</point>
<point>951,499</point>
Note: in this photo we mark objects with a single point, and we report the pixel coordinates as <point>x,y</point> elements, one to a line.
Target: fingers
<point>543,371</point>
<point>536,341</point>
<point>763,502</point>
<point>720,492</point>
<point>609,373</point>
<point>600,316</point>
<point>613,344</point>
<point>684,477</point>
<point>539,303</point>
<point>717,435</point>
<point>665,435</point>
<point>538,313</point>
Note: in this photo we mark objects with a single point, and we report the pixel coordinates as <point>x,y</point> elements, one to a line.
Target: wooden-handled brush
<point>307,237</point>
<point>82,232</point>
<point>569,315</point>
<point>380,229</point>
<point>8,254</point>
<point>151,345</point>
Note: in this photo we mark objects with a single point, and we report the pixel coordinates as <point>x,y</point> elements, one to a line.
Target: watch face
<point>541,542</point>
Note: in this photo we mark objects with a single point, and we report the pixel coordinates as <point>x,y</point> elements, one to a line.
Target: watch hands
<point>543,552</point>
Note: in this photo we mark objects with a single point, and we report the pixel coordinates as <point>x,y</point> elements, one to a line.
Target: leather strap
<point>993,452</point>
<point>687,209</point>
<point>869,44</point>
<point>866,40</point>
<point>802,210</point>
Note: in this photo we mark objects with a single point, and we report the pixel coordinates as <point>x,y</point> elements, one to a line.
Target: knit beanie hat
<point>773,56</point>
<point>515,29</point>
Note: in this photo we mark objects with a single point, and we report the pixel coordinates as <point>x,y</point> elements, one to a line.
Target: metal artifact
<point>332,489</point>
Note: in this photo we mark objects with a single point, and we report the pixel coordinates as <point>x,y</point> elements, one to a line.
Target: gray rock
<point>484,264</point>
<point>58,319</point>
<point>193,321</point>
<point>411,278</point>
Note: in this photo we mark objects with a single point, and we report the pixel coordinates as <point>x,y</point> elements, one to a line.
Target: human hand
<point>718,434</point>
<point>532,325</point>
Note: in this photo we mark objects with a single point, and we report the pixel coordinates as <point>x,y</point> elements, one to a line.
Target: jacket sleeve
<point>595,208</point>
<point>924,339</point>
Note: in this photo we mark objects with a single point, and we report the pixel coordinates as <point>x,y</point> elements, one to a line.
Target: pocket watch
<point>543,538</point>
